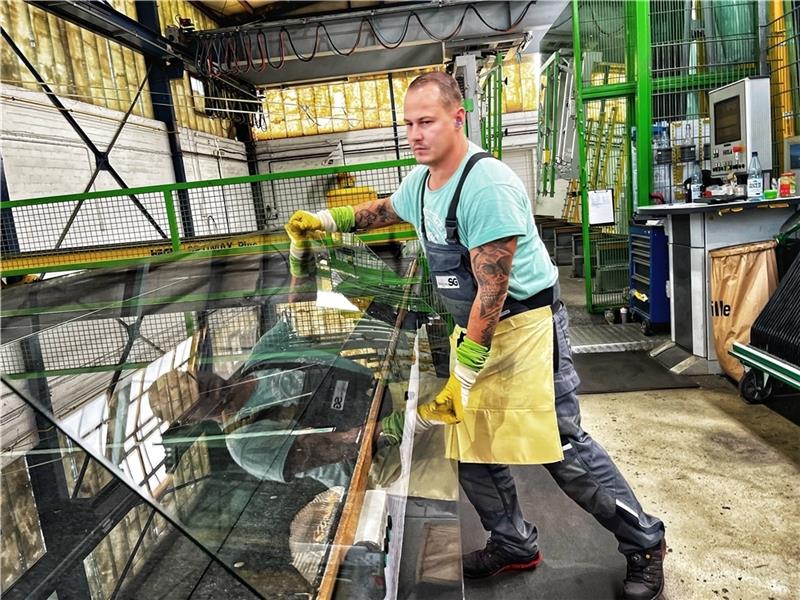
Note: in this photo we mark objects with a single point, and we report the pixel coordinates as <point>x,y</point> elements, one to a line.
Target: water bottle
<point>755,179</point>
<point>696,183</point>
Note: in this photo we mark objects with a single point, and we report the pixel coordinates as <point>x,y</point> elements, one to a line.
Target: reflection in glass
<point>237,459</point>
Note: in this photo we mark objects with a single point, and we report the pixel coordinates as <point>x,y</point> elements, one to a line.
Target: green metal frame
<point>549,118</point>
<point>768,364</point>
<point>177,251</point>
<point>492,109</point>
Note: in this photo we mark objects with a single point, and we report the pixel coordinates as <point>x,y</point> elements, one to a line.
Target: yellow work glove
<point>301,227</point>
<point>448,406</point>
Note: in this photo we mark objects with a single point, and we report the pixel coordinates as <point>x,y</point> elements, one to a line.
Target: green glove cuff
<point>300,267</point>
<point>344,217</point>
<point>392,425</point>
<point>471,354</point>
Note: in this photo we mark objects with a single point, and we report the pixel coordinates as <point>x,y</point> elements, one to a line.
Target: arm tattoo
<point>377,213</point>
<point>491,267</point>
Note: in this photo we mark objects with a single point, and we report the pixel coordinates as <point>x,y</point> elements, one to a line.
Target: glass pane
<point>238,458</point>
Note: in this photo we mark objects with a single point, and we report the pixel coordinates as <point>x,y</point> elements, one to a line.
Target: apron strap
<point>450,223</point>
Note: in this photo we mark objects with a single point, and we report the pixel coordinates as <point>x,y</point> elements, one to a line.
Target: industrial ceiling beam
<point>102,19</point>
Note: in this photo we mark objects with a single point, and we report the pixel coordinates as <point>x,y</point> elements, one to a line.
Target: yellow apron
<point>511,414</point>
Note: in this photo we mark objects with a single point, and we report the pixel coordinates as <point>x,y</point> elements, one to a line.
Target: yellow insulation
<point>80,65</point>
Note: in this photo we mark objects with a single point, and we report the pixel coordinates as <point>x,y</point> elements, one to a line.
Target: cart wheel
<point>754,389</point>
<point>647,327</point>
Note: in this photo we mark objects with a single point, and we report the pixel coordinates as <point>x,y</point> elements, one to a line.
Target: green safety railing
<point>195,219</point>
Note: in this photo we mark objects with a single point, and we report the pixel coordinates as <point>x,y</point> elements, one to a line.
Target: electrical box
<point>741,123</point>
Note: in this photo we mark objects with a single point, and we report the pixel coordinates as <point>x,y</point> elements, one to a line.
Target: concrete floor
<point>724,477</point>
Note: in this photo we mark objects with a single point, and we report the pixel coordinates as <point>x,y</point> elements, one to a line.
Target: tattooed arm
<point>378,213</point>
<point>491,266</point>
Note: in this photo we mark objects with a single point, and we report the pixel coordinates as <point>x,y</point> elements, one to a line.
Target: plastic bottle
<point>696,183</point>
<point>755,179</point>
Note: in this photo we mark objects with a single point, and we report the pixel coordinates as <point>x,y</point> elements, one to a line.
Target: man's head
<point>434,118</point>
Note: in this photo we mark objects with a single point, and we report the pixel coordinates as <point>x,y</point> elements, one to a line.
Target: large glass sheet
<point>235,405</point>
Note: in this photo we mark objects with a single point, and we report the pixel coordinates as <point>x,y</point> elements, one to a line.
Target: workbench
<point>693,230</point>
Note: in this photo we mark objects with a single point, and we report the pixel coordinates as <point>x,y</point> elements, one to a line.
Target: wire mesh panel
<point>95,222</point>
<point>696,47</point>
<point>607,166</point>
<point>603,25</point>
<point>224,209</point>
<point>318,191</point>
<point>116,227</point>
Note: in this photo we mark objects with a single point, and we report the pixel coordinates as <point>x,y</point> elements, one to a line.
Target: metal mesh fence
<point>603,26</point>
<point>696,47</point>
<point>96,222</point>
<point>607,161</point>
<point>140,223</point>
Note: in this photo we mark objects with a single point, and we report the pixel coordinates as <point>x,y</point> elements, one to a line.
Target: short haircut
<point>449,91</point>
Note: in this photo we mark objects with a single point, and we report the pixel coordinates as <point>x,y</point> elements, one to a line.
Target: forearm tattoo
<point>378,213</point>
<point>491,267</point>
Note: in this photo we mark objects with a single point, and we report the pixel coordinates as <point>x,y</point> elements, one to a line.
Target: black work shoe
<point>492,560</point>
<point>645,577</point>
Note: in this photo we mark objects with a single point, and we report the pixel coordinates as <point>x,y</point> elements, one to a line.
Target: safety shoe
<point>492,560</point>
<point>645,577</point>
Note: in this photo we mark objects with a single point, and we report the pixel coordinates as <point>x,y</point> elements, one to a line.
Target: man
<point>511,395</point>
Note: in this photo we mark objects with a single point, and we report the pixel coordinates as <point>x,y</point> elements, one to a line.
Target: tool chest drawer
<point>649,268</point>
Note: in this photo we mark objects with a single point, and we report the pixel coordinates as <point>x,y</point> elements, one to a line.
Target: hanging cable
<point>222,64</point>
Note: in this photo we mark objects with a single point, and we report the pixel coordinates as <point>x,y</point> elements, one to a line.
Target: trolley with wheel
<point>773,353</point>
<point>756,386</point>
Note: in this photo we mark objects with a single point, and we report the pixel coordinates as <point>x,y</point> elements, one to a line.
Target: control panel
<point>740,125</point>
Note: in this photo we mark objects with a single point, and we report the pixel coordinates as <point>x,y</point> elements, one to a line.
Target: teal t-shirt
<point>494,205</point>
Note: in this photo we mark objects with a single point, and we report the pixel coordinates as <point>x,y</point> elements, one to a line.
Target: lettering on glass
<point>339,395</point>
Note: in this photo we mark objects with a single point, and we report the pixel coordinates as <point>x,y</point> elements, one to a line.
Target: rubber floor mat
<point>605,372</point>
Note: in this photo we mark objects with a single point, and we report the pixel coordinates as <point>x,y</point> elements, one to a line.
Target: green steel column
<point>580,116</point>
<point>174,235</point>
<point>643,103</point>
<point>555,77</point>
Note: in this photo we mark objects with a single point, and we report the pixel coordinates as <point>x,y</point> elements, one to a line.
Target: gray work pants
<point>587,475</point>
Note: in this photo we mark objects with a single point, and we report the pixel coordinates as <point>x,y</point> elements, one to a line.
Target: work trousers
<point>586,474</point>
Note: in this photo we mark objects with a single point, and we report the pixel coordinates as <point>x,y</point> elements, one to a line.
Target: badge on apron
<point>447,281</point>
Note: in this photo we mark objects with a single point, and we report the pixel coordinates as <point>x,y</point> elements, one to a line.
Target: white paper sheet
<point>601,207</point>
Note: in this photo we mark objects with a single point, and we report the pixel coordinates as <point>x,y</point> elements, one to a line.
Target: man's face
<point>431,126</point>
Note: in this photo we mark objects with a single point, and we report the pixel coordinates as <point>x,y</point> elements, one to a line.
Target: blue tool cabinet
<point>649,268</point>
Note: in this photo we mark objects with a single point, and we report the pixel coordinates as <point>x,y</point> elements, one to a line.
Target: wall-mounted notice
<point>601,207</point>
